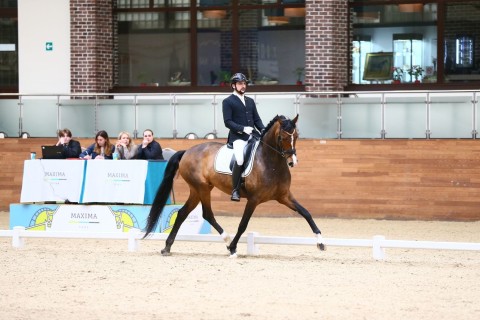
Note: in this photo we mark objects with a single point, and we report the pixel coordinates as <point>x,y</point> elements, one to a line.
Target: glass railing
<point>323,115</point>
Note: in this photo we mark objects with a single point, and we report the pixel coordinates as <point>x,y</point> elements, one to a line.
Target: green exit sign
<point>48,46</point>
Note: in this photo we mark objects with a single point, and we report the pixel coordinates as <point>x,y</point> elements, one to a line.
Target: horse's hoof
<point>166,253</point>
<point>233,252</point>
<point>233,256</point>
<point>320,244</point>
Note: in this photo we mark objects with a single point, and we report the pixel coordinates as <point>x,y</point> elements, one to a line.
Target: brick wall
<point>91,46</point>
<point>326,45</point>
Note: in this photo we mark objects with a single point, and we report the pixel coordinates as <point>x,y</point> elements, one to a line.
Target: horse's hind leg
<point>295,206</point>
<point>182,214</point>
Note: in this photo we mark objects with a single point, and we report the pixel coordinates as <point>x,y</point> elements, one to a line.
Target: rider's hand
<point>248,130</point>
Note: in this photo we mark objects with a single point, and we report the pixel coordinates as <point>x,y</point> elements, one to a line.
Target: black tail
<point>163,192</point>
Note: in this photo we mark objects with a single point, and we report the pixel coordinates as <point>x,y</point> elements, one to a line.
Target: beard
<point>241,91</point>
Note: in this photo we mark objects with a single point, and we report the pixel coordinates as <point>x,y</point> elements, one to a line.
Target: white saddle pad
<point>224,157</point>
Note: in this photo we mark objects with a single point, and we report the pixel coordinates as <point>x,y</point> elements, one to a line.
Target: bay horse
<point>269,180</point>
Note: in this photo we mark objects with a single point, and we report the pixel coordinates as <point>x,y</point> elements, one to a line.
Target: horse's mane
<point>286,125</point>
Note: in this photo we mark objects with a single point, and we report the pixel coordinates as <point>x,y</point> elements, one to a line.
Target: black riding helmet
<point>238,77</point>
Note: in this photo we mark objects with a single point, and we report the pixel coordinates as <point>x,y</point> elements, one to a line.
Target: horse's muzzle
<point>292,161</point>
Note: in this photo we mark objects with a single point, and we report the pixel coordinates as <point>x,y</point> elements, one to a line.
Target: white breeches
<point>238,146</point>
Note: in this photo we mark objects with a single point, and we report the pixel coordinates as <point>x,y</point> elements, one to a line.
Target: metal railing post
<point>96,114</point>
<point>474,115</point>
<point>214,104</point>
<point>339,116</point>
<point>135,107</point>
<point>174,106</point>
<point>296,104</point>
<point>59,117</point>
<point>20,118</point>
<point>427,120</point>
<point>382,120</point>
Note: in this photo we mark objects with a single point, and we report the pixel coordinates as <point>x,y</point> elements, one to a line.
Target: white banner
<point>52,180</point>
<point>115,181</point>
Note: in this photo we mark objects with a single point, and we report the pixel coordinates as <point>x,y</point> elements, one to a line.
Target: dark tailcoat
<point>236,116</point>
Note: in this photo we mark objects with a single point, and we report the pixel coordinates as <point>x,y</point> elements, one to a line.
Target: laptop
<point>52,152</point>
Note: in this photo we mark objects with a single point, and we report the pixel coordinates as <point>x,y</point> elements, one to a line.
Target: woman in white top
<point>124,147</point>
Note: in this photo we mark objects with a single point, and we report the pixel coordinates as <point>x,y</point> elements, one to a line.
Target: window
<point>461,44</point>
<point>408,31</point>
<point>153,48</point>
<point>8,46</point>
<point>171,43</point>
<point>435,42</point>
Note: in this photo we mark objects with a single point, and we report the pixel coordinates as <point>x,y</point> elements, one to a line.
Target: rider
<point>240,115</point>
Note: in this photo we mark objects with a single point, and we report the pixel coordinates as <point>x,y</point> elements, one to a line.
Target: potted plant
<point>397,75</point>
<point>225,78</point>
<point>416,71</point>
<point>299,72</point>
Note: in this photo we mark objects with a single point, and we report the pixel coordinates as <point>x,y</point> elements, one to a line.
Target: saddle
<point>225,159</point>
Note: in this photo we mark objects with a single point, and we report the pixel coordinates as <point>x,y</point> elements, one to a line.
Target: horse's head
<point>285,133</point>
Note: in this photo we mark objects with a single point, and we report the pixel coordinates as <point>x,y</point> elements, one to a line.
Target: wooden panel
<point>379,179</point>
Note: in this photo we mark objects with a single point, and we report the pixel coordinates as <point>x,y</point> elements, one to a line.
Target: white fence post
<point>17,240</point>
<point>133,243</point>
<point>252,248</point>
<point>378,251</point>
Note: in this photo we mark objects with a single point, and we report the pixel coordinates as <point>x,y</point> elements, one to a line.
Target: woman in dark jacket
<point>149,149</point>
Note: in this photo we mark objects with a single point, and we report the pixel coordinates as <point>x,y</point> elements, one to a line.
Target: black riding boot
<point>236,181</point>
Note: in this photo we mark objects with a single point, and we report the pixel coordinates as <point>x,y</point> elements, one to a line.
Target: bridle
<point>282,152</point>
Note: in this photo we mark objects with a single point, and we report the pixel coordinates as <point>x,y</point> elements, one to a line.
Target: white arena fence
<point>252,239</point>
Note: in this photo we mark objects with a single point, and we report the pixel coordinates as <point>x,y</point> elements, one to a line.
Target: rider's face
<point>240,87</point>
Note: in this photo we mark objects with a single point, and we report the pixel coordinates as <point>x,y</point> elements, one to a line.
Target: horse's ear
<point>295,119</point>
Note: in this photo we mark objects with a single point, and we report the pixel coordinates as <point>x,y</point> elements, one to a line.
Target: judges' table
<point>90,181</point>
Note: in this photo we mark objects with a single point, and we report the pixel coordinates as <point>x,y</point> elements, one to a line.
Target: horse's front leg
<point>247,214</point>
<point>290,202</point>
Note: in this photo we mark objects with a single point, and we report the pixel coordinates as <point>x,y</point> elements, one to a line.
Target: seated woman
<point>101,149</point>
<point>150,149</point>
<point>71,148</point>
<point>124,147</point>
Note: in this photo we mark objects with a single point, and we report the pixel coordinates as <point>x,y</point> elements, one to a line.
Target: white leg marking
<point>320,243</point>
<point>226,238</point>
<point>319,238</point>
